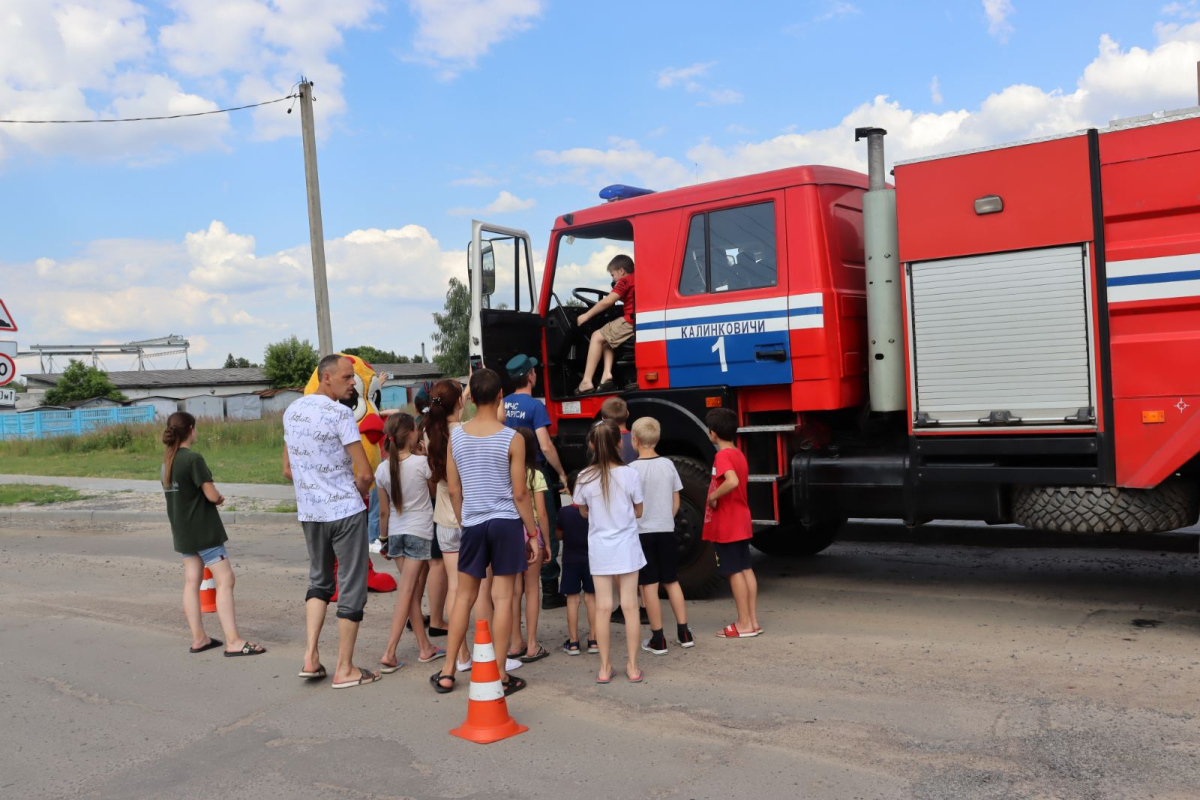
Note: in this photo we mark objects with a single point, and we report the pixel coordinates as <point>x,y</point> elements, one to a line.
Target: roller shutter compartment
<point>1001,340</point>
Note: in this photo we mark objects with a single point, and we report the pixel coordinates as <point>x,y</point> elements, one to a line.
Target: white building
<point>177,383</point>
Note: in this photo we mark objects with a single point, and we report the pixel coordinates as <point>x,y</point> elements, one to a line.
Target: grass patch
<point>36,493</point>
<point>236,452</point>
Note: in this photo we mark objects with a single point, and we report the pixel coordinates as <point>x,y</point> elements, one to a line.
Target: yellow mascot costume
<point>364,402</point>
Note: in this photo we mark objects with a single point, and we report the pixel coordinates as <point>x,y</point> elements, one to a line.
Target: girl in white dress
<point>609,494</point>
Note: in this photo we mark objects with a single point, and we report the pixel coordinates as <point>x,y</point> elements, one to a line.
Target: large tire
<point>800,540</point>
<point>1101,509</point>
<point>697,564</point>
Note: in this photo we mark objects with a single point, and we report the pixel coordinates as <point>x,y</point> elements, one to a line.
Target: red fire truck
<point>1010,334</point>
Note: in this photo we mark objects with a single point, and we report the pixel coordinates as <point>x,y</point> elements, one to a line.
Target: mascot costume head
<point>364,402</point>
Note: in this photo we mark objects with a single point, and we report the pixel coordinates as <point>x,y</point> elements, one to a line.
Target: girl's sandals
<point>438,652</point>
<point>731,632</point>
<point>641,676</point>
<point>571,648</point>
<point>387,669</point>
<point>248,649</point>
<point>316,674</point>
<point>364,676</point>
<point>211,644</point>
<point>593,647</point>
<point>437,678</point>
<point>512,685</point>
<point>605,678</point>
<point>519,654</point>
<point>529,658</point>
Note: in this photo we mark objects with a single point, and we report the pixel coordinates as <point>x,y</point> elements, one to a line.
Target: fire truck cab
<point>1010,334</point>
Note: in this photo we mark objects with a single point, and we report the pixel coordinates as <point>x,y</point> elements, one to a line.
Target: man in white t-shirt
<point>324,457</point>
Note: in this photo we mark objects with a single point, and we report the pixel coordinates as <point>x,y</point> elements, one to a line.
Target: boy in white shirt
<point>656,529</point>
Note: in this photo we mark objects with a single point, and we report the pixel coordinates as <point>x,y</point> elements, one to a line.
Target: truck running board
<point>767,428</point>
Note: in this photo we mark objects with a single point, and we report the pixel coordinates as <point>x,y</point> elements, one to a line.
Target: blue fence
<point>42,424</point>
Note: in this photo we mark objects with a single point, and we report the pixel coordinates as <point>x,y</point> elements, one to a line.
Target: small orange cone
<point>487,712</point>
<point>208,593</point>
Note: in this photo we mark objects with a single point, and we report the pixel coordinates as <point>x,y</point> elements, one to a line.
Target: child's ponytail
<point>179,427</point>
<point>435,425</point>
<point>396,432</point>
<point>604,440</point>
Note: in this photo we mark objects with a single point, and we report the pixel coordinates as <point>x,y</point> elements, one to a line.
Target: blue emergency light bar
<point>619,191</point>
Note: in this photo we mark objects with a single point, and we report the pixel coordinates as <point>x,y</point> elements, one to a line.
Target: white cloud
<point>453,34</point>
<point>1118,82</point>
<point>839,8</point>
<point>476,179</point>
<point>94,59</point>
<point>935,91</point>
<point>689,78</point>
<point>505,203</point>
<point>997,13</point>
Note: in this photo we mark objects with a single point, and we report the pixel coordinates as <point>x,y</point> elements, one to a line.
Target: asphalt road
<point>952,666</point>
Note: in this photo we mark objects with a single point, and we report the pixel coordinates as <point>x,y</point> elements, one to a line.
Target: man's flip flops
<point>211,644</point>
<point>364,676</point>
<point>248,649</point>
<point>731,632</point>
<point>317,674</point>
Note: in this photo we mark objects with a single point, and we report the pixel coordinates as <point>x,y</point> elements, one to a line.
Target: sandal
<point>519,654</point>
<point>641,676</point>
<point>571,648</point>
<point>593,647</point>
<point>731,632</point>
<point>316,674</point>
<point>606,387</point>
<point>388,669</point>
<point>605,678</point>
<point>438,652</point>
<point>364,676</point>
<point>437,678</point>
<point>211,644</point>
<point>248,649</point>
<point>513,685</point>
<point>529,658</point>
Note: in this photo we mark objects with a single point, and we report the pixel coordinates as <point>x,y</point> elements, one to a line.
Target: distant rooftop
<point>405,371</point>
<point>151,378</point>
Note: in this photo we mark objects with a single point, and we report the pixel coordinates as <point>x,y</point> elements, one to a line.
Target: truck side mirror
<point>489,269</point>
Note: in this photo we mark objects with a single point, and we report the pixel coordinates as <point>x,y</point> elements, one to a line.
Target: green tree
<point>450,338</point>
<point>81,382</point>
<point>373,355</point>
<point>232,363</point>
<point>290,362</point>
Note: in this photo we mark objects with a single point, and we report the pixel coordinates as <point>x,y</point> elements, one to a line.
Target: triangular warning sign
<point>7,323</point>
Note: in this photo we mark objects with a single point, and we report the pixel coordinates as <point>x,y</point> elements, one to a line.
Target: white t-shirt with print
<point>416,518</point>
<point>660,481</point>
<point>613,544</point>
<point>316,431</point>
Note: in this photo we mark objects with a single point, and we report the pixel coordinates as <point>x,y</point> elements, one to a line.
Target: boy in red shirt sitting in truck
<point>605,341</point>
<point>727,523</point>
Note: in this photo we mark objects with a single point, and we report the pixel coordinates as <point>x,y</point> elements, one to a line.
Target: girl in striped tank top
<point>485,472</point>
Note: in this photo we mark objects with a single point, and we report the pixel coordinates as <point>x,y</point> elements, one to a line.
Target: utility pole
<point>316,230</point>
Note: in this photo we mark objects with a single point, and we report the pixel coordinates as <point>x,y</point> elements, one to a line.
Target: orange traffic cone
<point>487,712</point>
<point>208,593</point>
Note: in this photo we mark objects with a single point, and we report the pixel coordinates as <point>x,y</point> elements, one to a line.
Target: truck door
<point>726,320</point>
<point>504,314</point>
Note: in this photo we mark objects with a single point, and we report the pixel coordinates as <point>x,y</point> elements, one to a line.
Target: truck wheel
<point>1102,509</point>
<point>799,540</point>
<point>697,564</point>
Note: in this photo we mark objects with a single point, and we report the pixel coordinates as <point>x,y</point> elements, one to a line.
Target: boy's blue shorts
<point>576,577</point>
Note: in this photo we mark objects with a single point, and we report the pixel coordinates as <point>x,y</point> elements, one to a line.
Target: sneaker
<point>593,648</point>
<point>376,546</point>
<point>553,600</point>
<point>511,663</point>
<point>685,637</point>
<point>464,666</point>
<point>656,645</point>
<point>571,648</point>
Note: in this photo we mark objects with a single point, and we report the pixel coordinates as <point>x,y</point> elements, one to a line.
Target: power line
<point>143,119</point>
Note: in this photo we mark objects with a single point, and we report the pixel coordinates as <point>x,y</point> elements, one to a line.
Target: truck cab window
<point>730,250</point>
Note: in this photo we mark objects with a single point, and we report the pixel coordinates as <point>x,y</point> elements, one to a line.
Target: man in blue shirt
<point>522,410</point>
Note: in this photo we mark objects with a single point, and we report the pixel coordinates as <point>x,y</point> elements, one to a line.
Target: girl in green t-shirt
<point>199,536</point>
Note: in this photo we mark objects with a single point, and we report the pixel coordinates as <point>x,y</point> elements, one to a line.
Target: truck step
<point>787,428</point>
<point>764,522</point>
<point>764,478</point>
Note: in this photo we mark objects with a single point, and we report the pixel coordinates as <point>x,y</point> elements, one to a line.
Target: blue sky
<point>515,111</point>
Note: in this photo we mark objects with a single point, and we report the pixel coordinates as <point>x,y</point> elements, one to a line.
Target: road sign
<point>8,397</point>
<point>7,323</point>
<point>8,369</point>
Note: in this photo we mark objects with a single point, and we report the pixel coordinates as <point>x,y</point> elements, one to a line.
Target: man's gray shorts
<point>346,541</point>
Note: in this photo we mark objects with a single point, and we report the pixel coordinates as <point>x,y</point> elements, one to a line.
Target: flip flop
<point>317,675</point>
<point>519,654</point>
<point>513,685</point>
<point>437,653</point>
<point>605,387</point>
<point>607,679</point>
<point>641,676</point>
<point>541,653</point>
<point>437,631</point>
<point>248,649</point>
<point>388,669</point>
<point>211,644</point>
<point>731,632</point>
<point>364,676</point>
<point>437,678</point>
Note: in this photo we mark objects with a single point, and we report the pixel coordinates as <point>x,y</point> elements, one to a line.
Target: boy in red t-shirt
<point>615,333</point>
<point>727,523</point>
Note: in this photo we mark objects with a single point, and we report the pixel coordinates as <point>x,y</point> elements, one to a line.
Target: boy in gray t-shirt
<point>656,526</point>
